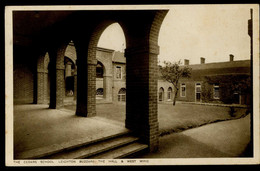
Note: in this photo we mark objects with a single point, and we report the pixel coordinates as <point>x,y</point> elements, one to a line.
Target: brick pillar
<point>141,97</point>
<point>107,79</point>
<point>75,83</point>
<point>40,86</point>
<point>60,86</point>
<point>46,87</point>
<point>57,77</point>
<point>86,82</point>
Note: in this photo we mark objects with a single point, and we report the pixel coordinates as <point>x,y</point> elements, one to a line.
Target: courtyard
<point>172,118</point>
<point>50,129</point>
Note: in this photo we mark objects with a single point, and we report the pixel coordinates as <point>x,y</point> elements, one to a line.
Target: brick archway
<point>141,29</point>
<point>141,32</point>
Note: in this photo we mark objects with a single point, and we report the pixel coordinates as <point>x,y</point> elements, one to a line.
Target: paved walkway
<point>36,126</point>
<point>222,139</point>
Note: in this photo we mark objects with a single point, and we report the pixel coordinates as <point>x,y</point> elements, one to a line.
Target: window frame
<point>117,67</point>
<point>182,85</point>
<point>216,86</point>
<point>121,97</point>
<point>198,85</point>
<point>169,94</point>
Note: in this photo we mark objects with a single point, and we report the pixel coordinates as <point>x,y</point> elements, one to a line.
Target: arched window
<point>99,70</point>
<point>99,93</point>
<point>121,95</point>
<point>161,92</point>
<point>169,93</point>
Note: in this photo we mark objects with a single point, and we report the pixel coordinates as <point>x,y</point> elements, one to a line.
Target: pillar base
<point>84,113</point>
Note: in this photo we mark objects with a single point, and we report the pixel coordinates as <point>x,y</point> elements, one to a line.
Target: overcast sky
<point>194,31</point>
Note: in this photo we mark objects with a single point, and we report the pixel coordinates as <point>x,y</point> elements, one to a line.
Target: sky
<point>194,31</point>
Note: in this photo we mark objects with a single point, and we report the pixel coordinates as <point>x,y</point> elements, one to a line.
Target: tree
<point>172,72</point>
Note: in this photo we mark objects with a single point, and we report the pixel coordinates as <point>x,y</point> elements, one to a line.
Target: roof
<point>119,57</point>
<point>221,65</point>
<point>242,67</point>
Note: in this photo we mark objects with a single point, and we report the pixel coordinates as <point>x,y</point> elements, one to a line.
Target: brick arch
<point>156,25</point>
<point>96,34</point>
<point>141,29</point>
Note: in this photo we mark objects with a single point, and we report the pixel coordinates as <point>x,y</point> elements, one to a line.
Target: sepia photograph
<point>132,85</point>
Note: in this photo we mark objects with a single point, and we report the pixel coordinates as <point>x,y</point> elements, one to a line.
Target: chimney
<point>231,57</point>
<point>202,60</point>
<point>186,62</point>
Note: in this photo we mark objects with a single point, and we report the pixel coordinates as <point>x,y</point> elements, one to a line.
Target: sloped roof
<point>242,67</point>
<point>119,57</point>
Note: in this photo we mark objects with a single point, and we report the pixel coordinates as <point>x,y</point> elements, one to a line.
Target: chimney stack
<point>202,60</point>
<point>231,57</point>
<point>186,62</point>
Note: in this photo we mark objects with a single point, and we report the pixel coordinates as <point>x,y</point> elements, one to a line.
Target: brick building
<point>47,67</point>
<point>208,80</point>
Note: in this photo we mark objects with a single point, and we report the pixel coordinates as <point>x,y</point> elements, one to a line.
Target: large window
<point>216,91</point>
<point>183,90</point>
<point>169,93</point>
<point>121,95</point>
<point>118,72</point>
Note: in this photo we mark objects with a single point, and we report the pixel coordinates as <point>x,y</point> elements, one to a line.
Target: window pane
<point>118,72</point>
<point>123,98</point>
<point>216,92</point>
<point>183,91</point>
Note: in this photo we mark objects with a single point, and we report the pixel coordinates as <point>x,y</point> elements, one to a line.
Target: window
<point>197,92</point>
<point>99,70</point>
<point>216,91</point>
<point>161,92</point>
<point>118,72</point>
<point>122,95</point>
<point>169,93</point>
<point>198,88</point>
<point>183,90</point>
<point>99,93</point>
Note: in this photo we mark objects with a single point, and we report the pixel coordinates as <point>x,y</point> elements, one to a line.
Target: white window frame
<point>117,66</point>
<point>121,96</point>
<point>215,86</point>
<point>196,86</point>
<point>183,85</point>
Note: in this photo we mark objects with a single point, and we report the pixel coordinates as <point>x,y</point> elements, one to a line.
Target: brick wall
<point>23,84</point>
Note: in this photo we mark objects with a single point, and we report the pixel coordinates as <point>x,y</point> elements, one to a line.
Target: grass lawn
<point>173,118</point>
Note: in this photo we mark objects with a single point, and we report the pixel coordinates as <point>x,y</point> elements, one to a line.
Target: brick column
<point>75,83</point>
<point>141,97</point>
<point>108,87</point>
<point>57,77</point>
<point>86,83</point>
<point>40,86</point>
<point>60,86</point>
<point>46,87</point>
